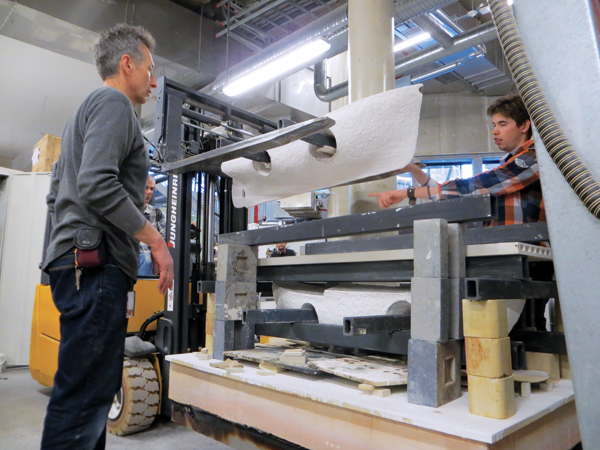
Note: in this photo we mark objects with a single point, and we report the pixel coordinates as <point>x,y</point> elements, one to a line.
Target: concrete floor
<point>23,407</point>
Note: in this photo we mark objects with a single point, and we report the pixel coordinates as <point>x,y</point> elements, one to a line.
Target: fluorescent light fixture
<point>510,2</point>
<point>275,68</point>
<point>412,41</point>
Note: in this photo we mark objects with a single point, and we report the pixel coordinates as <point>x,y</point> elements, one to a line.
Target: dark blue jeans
<point>90,358</point>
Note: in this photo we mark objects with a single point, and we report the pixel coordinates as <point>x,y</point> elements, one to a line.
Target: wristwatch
<point>410,193</point>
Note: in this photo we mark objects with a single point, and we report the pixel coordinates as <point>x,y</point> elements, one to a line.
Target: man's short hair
<point>511,106</point>
<point>122,39</point>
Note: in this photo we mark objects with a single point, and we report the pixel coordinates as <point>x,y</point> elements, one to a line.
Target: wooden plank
<point>364,370</point>
<point>269,410</point>
<point>558,430</point>
<point>316,425</point>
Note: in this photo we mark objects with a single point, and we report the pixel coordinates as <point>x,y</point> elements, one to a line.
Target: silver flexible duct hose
<point>559,148</point>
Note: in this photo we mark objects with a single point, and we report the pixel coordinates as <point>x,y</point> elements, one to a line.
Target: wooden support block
<point>546,362</point>
<point>204,356</point>
<point>210,323</point>
<point>565,367</point>
<point>485,318</point>
<point>234,369</point>
<point>382,392</point>
<point>227,364</point>
<point>547,386</point>
<point>208,341</point>
<point>273,368</point>
<point>266,372</point>
<point>525,390</point>
<point>210,303</point>
<point>488,357</point>
<point>492,397</point>
<point>366,388</point>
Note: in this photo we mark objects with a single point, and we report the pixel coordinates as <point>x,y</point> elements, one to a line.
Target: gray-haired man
<point>97,186</point>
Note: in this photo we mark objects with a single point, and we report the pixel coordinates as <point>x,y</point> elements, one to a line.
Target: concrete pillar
<point>371,58</point>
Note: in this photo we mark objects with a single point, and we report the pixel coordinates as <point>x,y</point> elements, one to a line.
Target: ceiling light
<point>510,2</point>
<point>412,41</point>
<point>275,68</point>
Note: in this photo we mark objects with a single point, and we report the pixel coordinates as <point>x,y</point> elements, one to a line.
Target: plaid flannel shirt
<point>158,220</point>
<point>515,184</point>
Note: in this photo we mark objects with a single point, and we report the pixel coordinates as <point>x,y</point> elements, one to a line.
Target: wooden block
<point>486,318</point>
<point>266,372</point>
<point>210,323</point>
<point>234,369</point>
<point>367,388</point>
<point>547,386</point>
<point>294,351</point>
<point>204,356</point>
<point>45,153</point>
<point>565,367</point>
<point>273,368</point>
<point>208,341</point>
<point>210,303</point>
<point>546,362</point>
<point>227,364</point>
<point>382,392</point>
<point>488,357</point>
<point>525,390</point>
<point>204,350</point>
<point>492,397</point>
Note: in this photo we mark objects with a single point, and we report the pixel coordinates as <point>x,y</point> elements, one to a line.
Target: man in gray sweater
<point>98,184</point>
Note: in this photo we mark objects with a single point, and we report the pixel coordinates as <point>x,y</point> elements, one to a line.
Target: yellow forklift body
<point>45,327</point>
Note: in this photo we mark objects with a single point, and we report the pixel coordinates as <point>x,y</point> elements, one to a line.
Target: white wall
<point>24,221</point>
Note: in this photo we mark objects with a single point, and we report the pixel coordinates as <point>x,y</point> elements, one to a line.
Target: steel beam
<point>493,289</point>
<point>256,316</point>
<point>541,341</point>
<point>211,161</point>
<point>355,326</point>
<point>527,232</point>
<point>465,209</point>
<point>394,343</point>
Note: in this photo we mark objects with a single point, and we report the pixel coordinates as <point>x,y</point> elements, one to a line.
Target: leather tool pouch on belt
<point>89,248</point>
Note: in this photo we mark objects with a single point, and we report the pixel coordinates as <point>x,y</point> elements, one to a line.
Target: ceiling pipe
<point>324,26</point>
<point>328,27</point>
<point>472,38</point>
<point>430,26</point>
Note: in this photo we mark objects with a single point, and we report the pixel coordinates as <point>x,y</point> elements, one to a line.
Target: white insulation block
<point>374,135</point>
<point>346,300</point>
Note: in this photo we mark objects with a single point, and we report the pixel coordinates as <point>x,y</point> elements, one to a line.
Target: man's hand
<point>160,255</point>
<point>388,198</point>
<point>163,264</point>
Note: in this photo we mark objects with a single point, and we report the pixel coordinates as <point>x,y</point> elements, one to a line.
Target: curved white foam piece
<point>375,135</point>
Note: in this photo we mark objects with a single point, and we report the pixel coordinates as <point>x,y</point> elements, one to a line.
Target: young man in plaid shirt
<point>515,183</point>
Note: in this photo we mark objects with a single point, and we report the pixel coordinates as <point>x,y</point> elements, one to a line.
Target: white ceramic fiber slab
<point>333,304</point>
<point>453,418</point>
<point>375,135</point>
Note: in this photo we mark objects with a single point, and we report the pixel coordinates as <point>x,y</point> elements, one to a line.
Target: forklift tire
<point>136,404</point>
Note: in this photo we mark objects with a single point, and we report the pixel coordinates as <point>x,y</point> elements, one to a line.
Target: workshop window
<point>450,169</point>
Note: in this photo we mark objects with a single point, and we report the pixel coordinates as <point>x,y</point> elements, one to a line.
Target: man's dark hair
<point>122,39</point>
<point>511,106</point>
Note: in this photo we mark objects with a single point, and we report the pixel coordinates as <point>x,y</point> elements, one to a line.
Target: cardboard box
<point>45,153</point>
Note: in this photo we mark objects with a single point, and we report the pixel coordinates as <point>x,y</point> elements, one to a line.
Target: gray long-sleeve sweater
<point>99,178</point>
